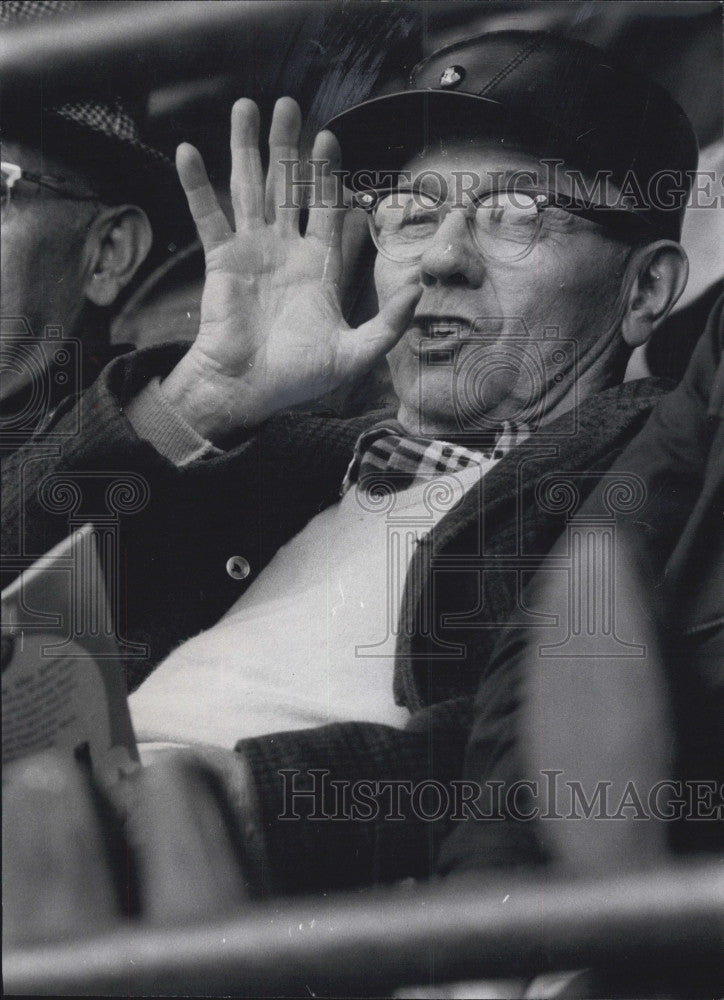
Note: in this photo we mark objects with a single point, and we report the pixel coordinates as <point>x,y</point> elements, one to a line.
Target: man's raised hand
<point>272,333</point>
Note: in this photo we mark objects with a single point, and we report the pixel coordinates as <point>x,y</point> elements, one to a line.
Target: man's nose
<point>451,256</point>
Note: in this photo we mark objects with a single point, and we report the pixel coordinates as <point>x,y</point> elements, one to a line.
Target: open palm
<point>272,333</point>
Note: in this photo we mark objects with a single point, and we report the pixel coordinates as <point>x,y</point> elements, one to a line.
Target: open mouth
<point>433,333</point>
<point>441,329</point>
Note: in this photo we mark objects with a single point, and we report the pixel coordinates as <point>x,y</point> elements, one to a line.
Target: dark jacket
<point>673,541</point>
<point>48,371</point>
<point>175,539</point>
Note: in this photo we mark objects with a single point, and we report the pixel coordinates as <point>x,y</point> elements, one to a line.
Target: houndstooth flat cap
<point>100,137</point>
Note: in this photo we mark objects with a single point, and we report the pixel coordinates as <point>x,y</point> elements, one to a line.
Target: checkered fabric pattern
<point>387,449</point>
<point>111,120</point>
<point>32,10</point>
<point>103,120</point>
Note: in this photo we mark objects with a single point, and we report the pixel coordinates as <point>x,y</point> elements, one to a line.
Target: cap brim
<point>382,134</point>
<point>379,136</point>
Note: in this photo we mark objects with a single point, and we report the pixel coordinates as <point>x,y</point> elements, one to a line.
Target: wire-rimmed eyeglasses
<point>12,173</point>
<point>505,224</point>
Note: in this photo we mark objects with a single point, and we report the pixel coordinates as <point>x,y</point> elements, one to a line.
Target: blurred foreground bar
<point>368,944</point>
<point>112,39</point>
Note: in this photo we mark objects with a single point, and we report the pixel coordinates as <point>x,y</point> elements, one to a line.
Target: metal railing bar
<point>365,944</point>
<point>112,40</point>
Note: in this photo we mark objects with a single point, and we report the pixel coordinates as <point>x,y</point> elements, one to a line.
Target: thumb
<point>380,334</point>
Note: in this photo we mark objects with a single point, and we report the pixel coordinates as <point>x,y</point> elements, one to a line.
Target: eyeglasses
<point>12,173</point>
<point>504,224</point>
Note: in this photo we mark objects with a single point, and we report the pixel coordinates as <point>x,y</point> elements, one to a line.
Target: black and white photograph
<point>362,568</point>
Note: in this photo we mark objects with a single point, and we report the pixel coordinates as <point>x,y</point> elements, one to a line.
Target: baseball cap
<point>562,96</point>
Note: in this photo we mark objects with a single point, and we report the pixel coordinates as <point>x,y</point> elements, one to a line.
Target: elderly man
<point>86,205</point>
<point>509,302</point>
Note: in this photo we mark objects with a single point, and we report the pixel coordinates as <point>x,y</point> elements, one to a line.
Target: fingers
<point>211,223</point>
<point>57,876</point>
<point>247,181</point>
<point>327,209</point>
<point>282,198</point>
<point>379,335</point>
<point>187,851</point>
<point>277,201</point>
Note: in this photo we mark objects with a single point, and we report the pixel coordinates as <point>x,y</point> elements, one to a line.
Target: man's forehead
<point>495,158</point>
<point>481,164</point>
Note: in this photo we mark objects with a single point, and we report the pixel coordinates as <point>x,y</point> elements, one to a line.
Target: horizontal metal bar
<point>365,944</point>
<point>112,41</point>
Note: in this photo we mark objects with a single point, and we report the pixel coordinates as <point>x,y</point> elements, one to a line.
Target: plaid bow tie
<point>387,450</point>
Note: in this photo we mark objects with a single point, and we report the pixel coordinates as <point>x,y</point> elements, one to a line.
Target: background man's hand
<point>272,333</point>
<point>176,841</point>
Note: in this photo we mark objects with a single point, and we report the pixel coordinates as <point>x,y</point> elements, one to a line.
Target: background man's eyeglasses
<point>12,173</point>
<point>504,224</point>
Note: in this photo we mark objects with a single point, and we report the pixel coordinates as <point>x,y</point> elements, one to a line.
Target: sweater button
<point>238,568</point>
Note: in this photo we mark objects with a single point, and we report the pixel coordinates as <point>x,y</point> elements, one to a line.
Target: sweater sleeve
<point>352,804</point>
<point>155,420</point>
<point>173,528</point>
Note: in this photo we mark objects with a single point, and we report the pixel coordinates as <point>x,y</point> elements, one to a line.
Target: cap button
<point>238,568</point>
<point>451,76</point>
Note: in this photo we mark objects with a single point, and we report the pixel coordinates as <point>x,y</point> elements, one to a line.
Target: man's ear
<point>660,271</point>
<point>118,242</point>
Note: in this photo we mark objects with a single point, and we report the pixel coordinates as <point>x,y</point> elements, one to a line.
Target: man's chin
<point>461,420</point>
<point>421,421</point>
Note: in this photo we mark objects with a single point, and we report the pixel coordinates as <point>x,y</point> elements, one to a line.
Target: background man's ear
<point>660,273</point>
<point>118,242</point>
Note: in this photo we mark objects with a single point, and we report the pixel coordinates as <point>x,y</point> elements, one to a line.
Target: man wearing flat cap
<point>87,209</point>
<point>525,199</point>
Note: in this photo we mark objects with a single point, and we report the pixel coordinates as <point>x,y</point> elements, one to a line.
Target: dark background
<point>181,65</point>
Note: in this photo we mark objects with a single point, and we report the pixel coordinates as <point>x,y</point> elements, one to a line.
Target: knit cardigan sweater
<point>172,582</point>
